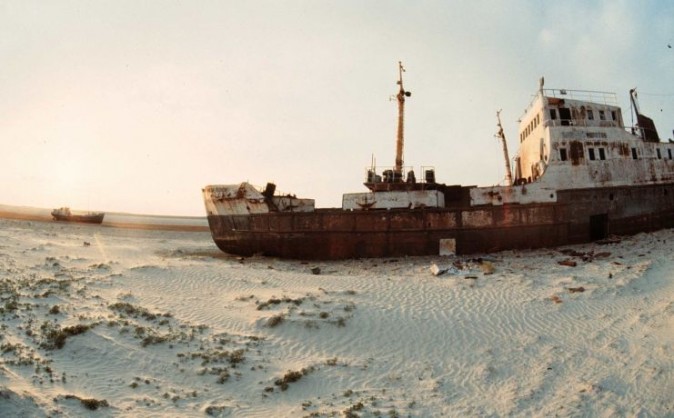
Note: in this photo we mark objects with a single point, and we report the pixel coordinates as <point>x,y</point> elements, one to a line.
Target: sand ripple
<point>168,315</point>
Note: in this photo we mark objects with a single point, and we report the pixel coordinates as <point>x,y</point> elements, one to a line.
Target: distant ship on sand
<point>65,214</point>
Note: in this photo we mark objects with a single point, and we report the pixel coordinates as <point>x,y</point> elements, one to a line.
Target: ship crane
<point>501,136</point>
<point>645,124</point>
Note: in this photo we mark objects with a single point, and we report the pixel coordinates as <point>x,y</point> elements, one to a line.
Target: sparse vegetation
<point>11,305</point>
<point>223,376</point>
<point>351,411</point>
<point>128,309</point>
<point>276,301</point>
<point>89,403</point>
<point>290,377</point>
<point>275,320</point>
<point>153,339</point>
<point>55,337</point>
<point>213,356</point>
<point>215,410</point>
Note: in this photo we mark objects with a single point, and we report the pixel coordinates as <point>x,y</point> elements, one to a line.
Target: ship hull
<point>89,219</point>
<point>578,216</point>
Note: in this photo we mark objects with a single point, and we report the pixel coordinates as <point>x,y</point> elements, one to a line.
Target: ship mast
<point>401,122</point>
<point>501,135</point>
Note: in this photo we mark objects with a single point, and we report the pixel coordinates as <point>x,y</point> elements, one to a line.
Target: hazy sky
<point>136,105</point>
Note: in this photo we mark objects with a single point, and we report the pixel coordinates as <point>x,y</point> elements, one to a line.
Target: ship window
<point>602,154</point>
<point>602,115</point>
<point>562,154</point>
<point>590,152</point>
<point>565,116</point>
<point>553,114</point>
<point>613,115</point>
<point>669,153</point>
<point>659,155</point>
<point>538,119</point>
<point>634,153</point>
<point>590,114</point>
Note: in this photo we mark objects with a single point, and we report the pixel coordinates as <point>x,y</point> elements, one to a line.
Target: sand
<point>132,322</point>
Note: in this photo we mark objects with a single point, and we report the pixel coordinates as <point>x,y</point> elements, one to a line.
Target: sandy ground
<point>159,323</point>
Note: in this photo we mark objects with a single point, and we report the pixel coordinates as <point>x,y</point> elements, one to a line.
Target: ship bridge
<point>577,138</point>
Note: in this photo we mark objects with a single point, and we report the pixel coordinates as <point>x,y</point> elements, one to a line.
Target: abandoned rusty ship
<point>67,215</point>
<point>579,175</point>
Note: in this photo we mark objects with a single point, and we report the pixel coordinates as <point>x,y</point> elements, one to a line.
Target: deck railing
<point>606,98</point>
<point>426,174</point>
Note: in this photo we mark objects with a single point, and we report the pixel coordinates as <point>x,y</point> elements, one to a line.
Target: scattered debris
<point>437,271</point>
<point>579,289</point>
<point>568,262</point>
<point>556,299</point>
<point>571,252</point>
<point>586,257</point>
<point>487,267</point>
<point>610,240</point>
<point>87,243</point>
<point>464,267</point>
<point>316,270</point>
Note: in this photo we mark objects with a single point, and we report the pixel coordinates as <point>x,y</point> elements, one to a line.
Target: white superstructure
<point>575,140</point>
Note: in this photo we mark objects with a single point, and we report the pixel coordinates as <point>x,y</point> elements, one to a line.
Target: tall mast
<point>401,120</point>
<point>501,135</point>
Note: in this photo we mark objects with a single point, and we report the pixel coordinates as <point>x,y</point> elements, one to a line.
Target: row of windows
<point>565,114</point>
<point>530,127</point>
<point>600,154</point>
<point>573,116</point>
<point>602,115</point>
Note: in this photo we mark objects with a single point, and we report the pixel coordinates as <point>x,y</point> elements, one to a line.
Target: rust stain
<point>576,152</point>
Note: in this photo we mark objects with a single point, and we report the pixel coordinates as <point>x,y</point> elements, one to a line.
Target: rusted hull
<point>578,216</point>
<point>89,219</point>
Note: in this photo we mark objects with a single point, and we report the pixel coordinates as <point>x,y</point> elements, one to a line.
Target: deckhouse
<point>575,139</point>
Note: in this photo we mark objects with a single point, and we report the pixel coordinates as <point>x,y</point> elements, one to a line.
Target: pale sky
<point>134,106</point>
